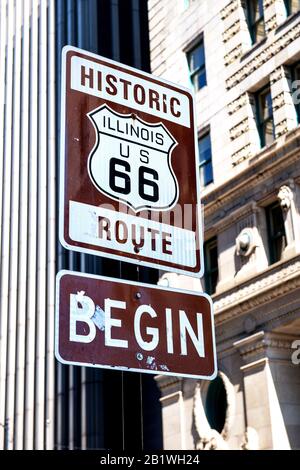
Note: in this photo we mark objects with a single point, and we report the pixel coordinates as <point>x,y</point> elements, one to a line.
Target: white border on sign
<point>64,272</point>
<point>105,254</point>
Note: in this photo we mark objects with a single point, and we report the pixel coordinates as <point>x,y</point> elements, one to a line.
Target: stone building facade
<point>242,59</point>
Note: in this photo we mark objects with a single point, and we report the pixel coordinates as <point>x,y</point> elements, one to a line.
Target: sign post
<point>129,167</point>
<point>111,323</point>
<point>129,191</point>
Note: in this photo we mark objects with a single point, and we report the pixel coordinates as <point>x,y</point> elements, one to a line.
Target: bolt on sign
<point>110,323</point>
<point>129,169</point>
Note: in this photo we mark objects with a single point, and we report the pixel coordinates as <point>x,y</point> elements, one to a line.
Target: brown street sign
<point>122,325</point>
<point>129,165</point>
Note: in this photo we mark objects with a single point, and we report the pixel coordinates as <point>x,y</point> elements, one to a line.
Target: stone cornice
<point>259,343</point>
<point>234,216</point>
<point>286,317</point>
<point>267,163</point>
<point>266,288</point>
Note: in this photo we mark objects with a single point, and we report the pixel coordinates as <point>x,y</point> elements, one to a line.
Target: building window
<point>291,6</point>
<point>216,404</point>
<point>255,19</point>
<point>196,61</point>
<point>211,265</point>
<point>295,89</point>
<point>276,232</point>
<point>264,116</point>
<point>206,170</point>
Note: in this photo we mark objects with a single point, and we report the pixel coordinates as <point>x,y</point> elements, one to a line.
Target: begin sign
<point>111,323</point>
<point>129,165</point>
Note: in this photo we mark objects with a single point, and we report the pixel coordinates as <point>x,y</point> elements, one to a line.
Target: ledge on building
<point>290,19</point>
<point>253,48</point>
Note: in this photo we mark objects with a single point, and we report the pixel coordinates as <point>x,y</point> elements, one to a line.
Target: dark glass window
<point>276,232</point>
<point>216,404</point>
<point>255,19</point>
<point>206,170</point>
<point>291,6</point>
<point>264,116</point>
<point>196,61</point>
<point>211,265</point>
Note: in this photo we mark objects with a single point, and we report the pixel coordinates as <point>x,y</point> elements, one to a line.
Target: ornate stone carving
<point>285,197</point>
<point>256,293</point>
<point>240,129</point>
<point>237,104</point>
<point>241,154</point>
<point>278,102</point>
<point>230,8</point>
<point>245,242</point>
<point>277,75</point>
<point>263,56</point>
<point>233,55</point>
<point>259,173</point>
<point>231,31</point>
<point>207,438</point>
<point>250,324</point>
<point>281,128</point>
<point>257,344</point>
<point>271,24</point>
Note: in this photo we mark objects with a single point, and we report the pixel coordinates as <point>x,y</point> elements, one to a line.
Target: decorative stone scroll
<point>285,197</point>
<point>245,242</point>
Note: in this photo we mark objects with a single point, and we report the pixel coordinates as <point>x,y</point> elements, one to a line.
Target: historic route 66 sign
<point>131,161</point>
<point>129,165</point>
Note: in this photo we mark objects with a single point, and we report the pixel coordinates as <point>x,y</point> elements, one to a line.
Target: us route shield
<point>126,145</point>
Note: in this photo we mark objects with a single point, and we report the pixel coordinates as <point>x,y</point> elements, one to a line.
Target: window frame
<point>203,164</point>
<point>252,23</point>
<point>198,70</point>
<point>288,7</point>
<point>272,238</point>
<point>262,122</point>
<point>208,281</point>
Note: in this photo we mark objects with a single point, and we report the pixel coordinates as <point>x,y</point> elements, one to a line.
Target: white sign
<point>129,166</point>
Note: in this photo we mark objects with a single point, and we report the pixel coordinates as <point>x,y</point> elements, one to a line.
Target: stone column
<point>269,387</point>
<point>173,414</point>
<point>177,397</point>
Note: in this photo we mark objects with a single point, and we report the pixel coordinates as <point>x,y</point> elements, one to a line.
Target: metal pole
<point>14,228</point>
<point>51,236</point>
<point>39,427</point>
<point>23,230</point>
<point>6,206</point>
<point>32,233</point>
